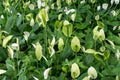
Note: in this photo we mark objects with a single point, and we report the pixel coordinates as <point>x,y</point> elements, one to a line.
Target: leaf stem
<point>45,39</point>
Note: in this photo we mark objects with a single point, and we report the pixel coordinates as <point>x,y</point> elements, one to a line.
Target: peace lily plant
<point>59,40</point>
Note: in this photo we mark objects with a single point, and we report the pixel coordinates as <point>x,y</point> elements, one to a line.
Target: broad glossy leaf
<point>19,20</point>
<point>58,24</point>
<point>3,54</point>
<point>116,70</point>
<point>10,23</point>
<point>99,56</point>
<point>106,54</point>
<point>81,26</point>
<point>100,24</point>
<point>113,23</point>
<point>89,59</point>
<point>65,68</point>
<point>89,44</point>
<point>22,77</point>
<point>10,66</point>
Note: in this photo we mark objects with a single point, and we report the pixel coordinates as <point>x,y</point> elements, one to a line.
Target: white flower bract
<point>46,72</point>
<point>10,52</point>
<point>112,1</point>
<point>75,71</point>
<point>117,54</point>
<point>32,22</point>
<point>92,72</point>
<point>105,6</point>
<point>117,1</point>
<point>39,3</point>
<point>31,6</point>
<point>2,71</point>
<point>26,35</point>
<point>98,8</point>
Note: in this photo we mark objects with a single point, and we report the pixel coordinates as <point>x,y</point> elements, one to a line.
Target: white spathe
<point>39,3</point>
<point>98,8</point>
<point>75,71</point>
<point>105,6</point>
<point>31,6</point>
<point>117,54</point>
<point>32,22</point>
<point>2,71</point>
<point>117,1</point>
<point>92,72</point>
<point>46,72</point>
<point>26,35</point>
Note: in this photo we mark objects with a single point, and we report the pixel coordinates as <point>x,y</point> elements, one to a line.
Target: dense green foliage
<point>59,40</point>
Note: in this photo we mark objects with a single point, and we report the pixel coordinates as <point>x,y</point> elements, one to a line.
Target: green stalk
<point>95,44</point>
<point>37,64</point>
<point>17,62</point>
<point>45,39</point>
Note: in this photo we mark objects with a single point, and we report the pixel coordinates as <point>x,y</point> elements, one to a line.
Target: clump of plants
<point>59,40</point>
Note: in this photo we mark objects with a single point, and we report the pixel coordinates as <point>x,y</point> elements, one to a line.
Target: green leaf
<point>78,18</point>
<point>19,20</point>
<point>82,65</point>
<point>115,39</point>
<point>58,24</point>
<point>100,24</point>
<point>10,66</point>
<point>113,23</point>
<point>65,68</point>
<point>62,76</point>
<point>3,54</point>
<point>116,70</point>
<point>89,59</point>
<point>93,1</point>
<point>10,23</point>
<point>66,51</point>
<point>22,77</point>
<point>81,26</point>
<point>89,44</point>
<point>99,56</point>
<point>26,4</point>
<point>106,54</point>
<point>1,7</point>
